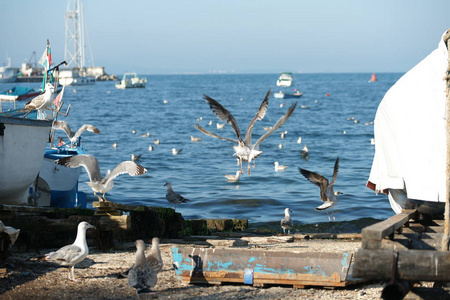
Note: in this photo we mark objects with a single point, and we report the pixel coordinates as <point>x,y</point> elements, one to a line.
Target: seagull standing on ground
<point>327,194</point>
<point>172,197</point>
<point>70,255</point>
<point>73,136</point>
<point>286,222</point>
<point>98,183</point>
<point>142,276</point>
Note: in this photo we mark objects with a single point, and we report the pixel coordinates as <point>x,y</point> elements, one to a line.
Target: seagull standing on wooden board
<point>70,255</point>
<point>327,194</point>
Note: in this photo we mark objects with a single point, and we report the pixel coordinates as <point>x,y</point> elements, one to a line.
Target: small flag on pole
<point>46,61</point>
<point>57,100</point>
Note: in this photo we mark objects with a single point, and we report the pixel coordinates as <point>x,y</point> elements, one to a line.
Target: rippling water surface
<point>197,172</point>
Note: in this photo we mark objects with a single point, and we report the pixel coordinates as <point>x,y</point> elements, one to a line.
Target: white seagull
<point>286,222</point>
<point>98,183</point>
<point>327,195</point>
<point>154,259</point>
<point>135,157</point>
<point>142,276</point>
<point>70,255</point>
<point>233,178</point>
<point>175,151</point>
<point>74,136</point>
<point>172,197</point>
<point>195,139</point>
<point>245,151</point>
<point>279,167</point>
<point>305,152</point>
<point>41,101</point>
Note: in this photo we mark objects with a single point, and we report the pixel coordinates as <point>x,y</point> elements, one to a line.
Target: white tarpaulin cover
<point>410,137</point>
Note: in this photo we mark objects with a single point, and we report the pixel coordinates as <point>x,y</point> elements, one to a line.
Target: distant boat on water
<point>373,78</point>
<point>285,79</point>
<point>131,80</point>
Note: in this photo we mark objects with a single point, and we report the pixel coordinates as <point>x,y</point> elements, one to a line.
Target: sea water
<point>334,118</point>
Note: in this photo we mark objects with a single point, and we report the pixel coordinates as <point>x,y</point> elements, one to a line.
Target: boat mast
<point>74,47</point>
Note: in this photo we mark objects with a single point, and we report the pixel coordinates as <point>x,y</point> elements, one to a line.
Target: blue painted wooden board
<point>214,265</point>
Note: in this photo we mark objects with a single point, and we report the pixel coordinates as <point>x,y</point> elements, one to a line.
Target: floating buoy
<point>374,78</point>
<point>327,94</point>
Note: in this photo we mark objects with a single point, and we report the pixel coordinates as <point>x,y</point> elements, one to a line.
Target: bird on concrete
<point>142,276</point>
<point>72,254</point>
<point>173,197</point>
<point>327,194</point>
<point>286,222</point>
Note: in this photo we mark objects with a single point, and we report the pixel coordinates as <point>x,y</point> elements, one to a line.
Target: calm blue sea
<point>325,124</point>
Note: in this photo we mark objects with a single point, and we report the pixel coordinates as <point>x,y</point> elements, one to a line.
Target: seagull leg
<point>99,198</point>
<point>73,274</point>
<point>248,168</point>
<point>334,218</point>
<point>104,197</point>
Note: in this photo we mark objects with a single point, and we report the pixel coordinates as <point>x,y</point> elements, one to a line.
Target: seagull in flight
<point>245,151</point>
<point>327,194</point>
<point>73,136</point>
<point>98,183</point>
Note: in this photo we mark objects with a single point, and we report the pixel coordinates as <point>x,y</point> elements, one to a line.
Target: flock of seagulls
<point>142,275</point>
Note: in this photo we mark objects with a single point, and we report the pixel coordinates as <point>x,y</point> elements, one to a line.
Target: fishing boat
<point>7,73</point>
<point>131,80</point>
<point>22,145</point>
<point>285,79</point>
<point>60,182</point>
<point>282,95</point>
<point>18,93</point>
<point>74,77</point>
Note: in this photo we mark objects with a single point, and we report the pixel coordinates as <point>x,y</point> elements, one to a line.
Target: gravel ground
<point>25,278</point>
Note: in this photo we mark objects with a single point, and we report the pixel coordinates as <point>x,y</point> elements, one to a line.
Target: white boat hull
<point>69,77</point>
<point>22,146</point>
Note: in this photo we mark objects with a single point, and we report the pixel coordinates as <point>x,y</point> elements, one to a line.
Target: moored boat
<point>285,79</point>
<point>73,77</point>
<point>131,80</point>
<point>282,95</point>
<point>62,181</point>
<point>18,93</point>
<point>22,145</point>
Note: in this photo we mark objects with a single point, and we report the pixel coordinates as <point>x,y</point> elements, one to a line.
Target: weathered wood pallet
<point>262,267</point>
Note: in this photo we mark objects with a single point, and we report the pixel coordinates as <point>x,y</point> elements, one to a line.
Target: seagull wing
<point>318,180</point>
<point>90,163</point>
<point>35,103</point>
<point>130,167</point>
<point>213,134</point>
<point>223,114</point>
<point>84,128</point>
<point>335,171</point>
<point>63,125</point>
<point>277,125</point>
<point>67,255</point>
<point>259,116</point>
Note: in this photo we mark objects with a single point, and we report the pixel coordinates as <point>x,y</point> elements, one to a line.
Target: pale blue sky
<point>241,36</point>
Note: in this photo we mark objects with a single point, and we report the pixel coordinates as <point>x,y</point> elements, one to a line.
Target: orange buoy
<point>374,78</point>
<point>327,94</point>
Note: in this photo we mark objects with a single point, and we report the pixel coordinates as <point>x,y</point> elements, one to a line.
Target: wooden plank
<point>372,235</point>
<point>227,243</point>
<point>268,267</point>
<point>269,239</point>
<point>413,265</point>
